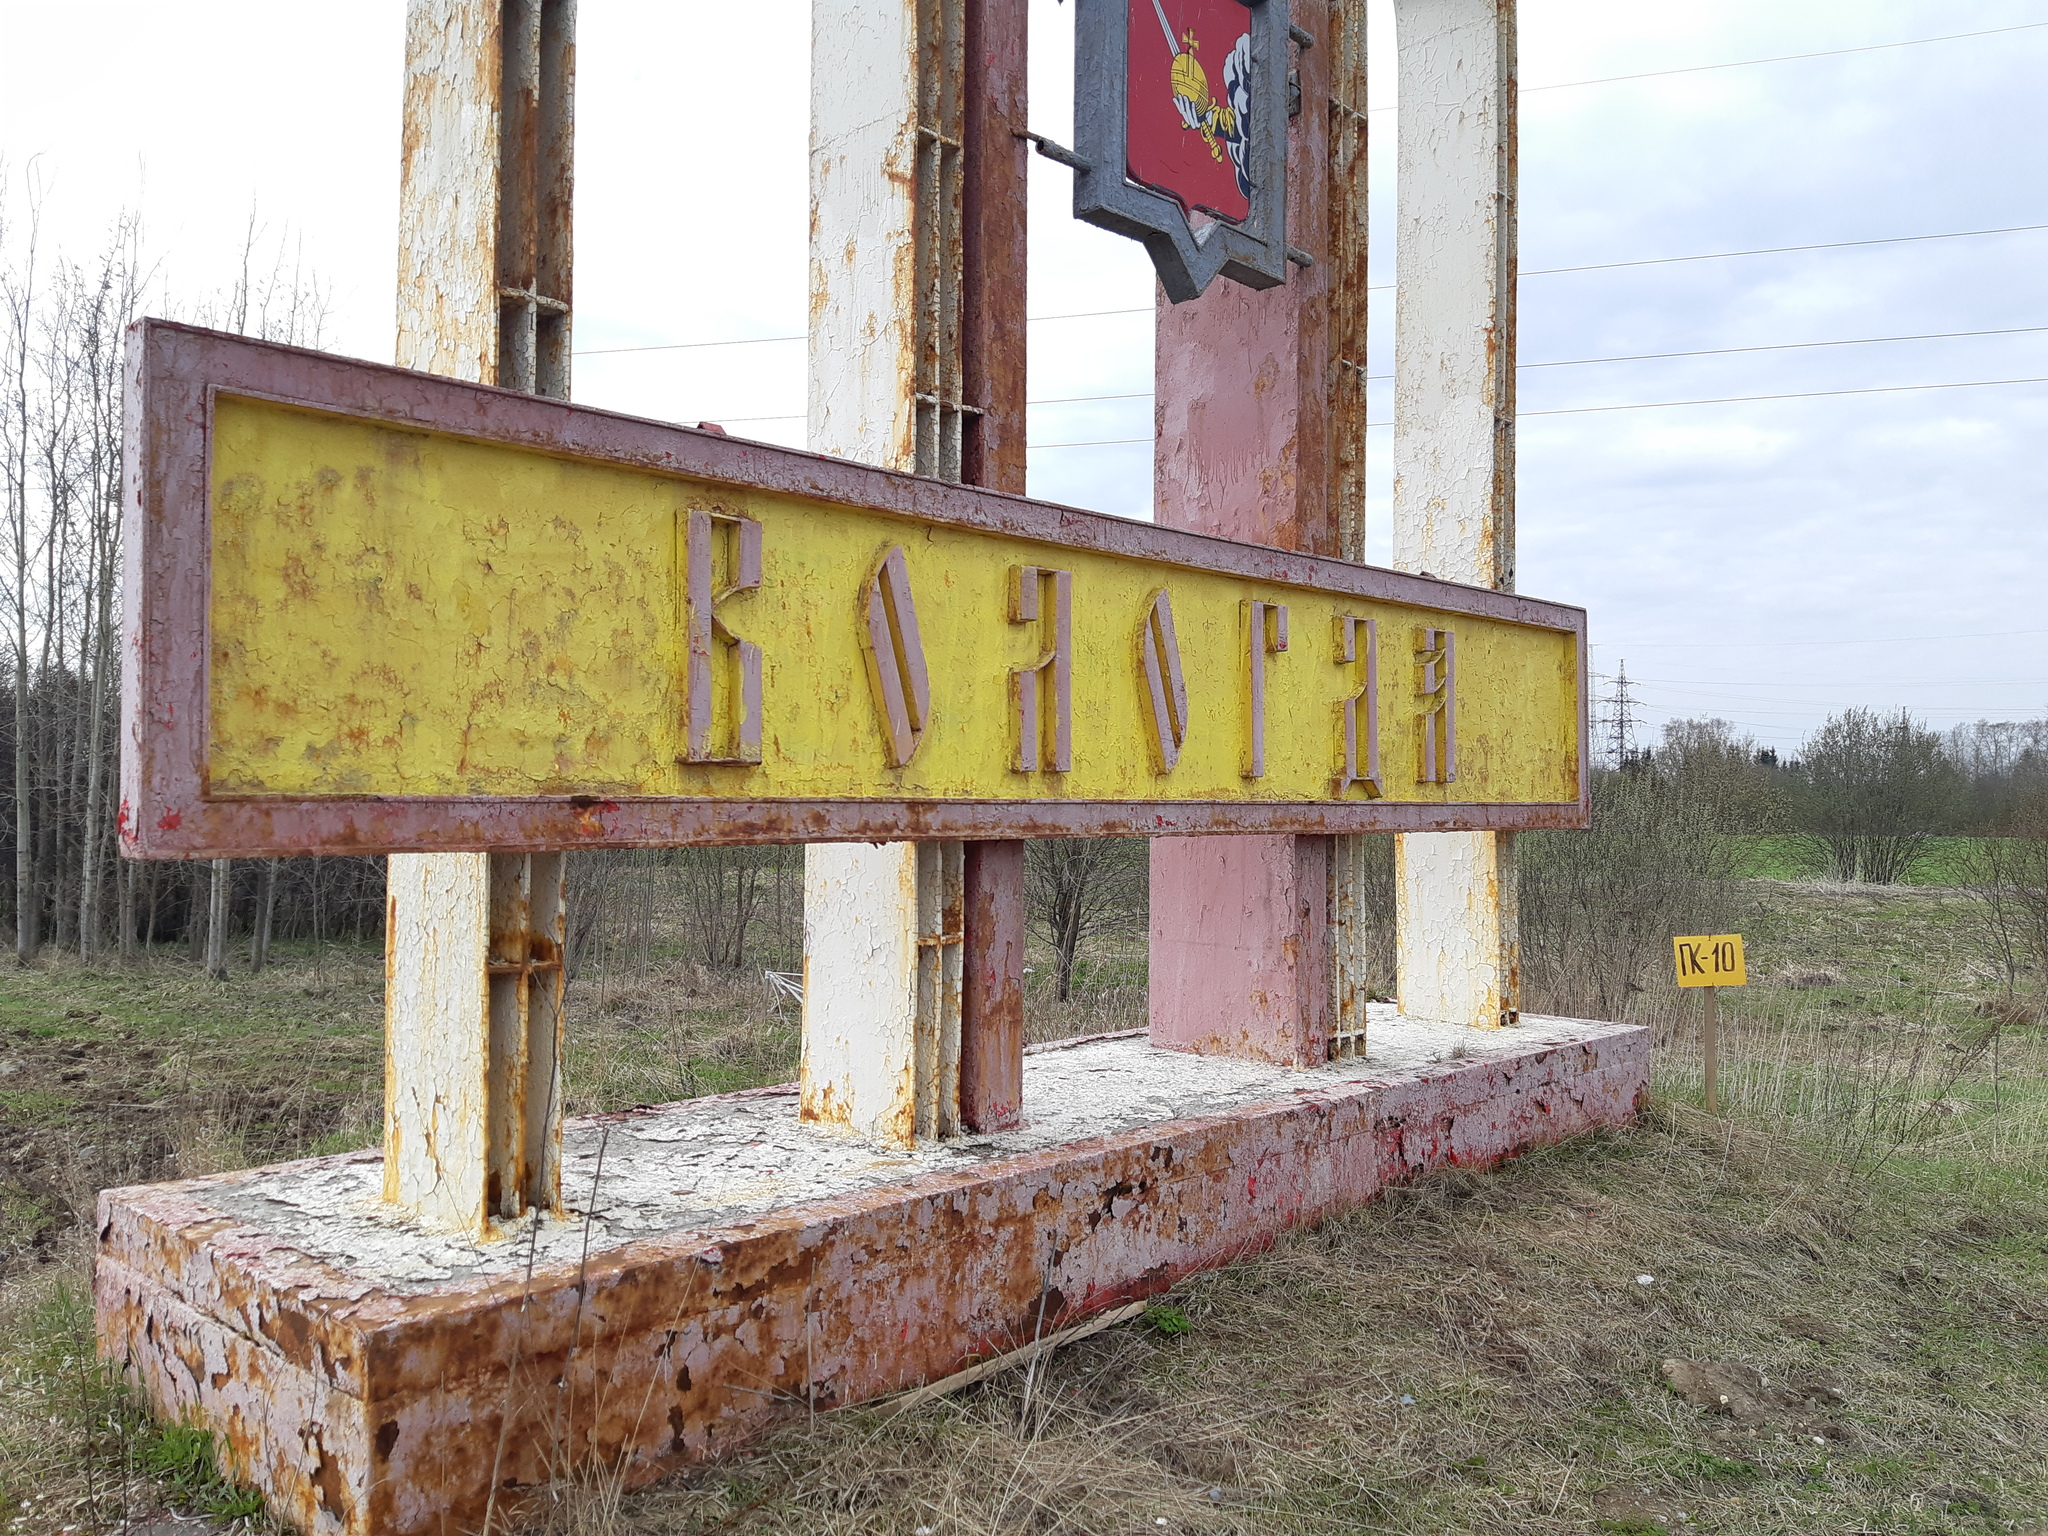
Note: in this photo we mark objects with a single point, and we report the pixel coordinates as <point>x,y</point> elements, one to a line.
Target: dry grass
<point>1108,993</point>
<point>1473,1354</point>
<point>677,1032</point>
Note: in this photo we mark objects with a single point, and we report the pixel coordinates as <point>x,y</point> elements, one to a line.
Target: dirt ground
<point>1854,1254</point>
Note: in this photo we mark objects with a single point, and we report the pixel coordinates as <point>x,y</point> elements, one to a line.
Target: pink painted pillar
<point>1240,953</point>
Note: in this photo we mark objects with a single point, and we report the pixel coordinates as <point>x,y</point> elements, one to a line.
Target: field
<point>1787,857</point>
<point>1854,1254</point>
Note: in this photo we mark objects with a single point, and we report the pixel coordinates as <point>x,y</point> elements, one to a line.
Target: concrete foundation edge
<point>363,1411</point>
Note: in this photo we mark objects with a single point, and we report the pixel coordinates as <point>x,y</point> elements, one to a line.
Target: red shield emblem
<point>1190,103</point>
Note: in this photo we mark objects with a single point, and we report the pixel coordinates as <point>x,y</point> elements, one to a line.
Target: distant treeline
<point>1868,791</point>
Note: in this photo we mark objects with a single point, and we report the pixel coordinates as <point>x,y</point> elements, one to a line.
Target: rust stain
<point>371,1413</point>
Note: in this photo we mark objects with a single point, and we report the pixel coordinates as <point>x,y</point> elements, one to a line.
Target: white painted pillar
<point>1458,953</point>
<point>885,384</point>
<point>474,941</point>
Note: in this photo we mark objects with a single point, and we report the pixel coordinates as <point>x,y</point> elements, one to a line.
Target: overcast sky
<point>1767,561</point>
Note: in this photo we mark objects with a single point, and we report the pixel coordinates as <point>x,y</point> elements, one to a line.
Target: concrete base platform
<point>728,1266</point>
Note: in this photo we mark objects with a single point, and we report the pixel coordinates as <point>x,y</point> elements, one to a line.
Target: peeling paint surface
<point>1454,308</point>
<point>1239,947</point>
<point>506,726</point>
<point>745,1267</point>
<point>710,1162</point>
<point>437,1037</point>
<point>861,989</point>
<point>448,203</point>
<point>403,613</point>
<point>1457,943</point>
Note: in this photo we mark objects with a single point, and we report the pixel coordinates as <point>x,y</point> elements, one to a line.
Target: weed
<point>182,1459</point>
<point>1163,1317</point>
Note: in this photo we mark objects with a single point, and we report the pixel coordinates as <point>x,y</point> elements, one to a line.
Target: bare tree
<point>2008,874</point>
<point>1078,887</point>
<point>1598,908</point>
<point>266,912</point>
<point>62,330</point>
<point>1877,790</point>
<point>17,310</point>
<point>109,302</point>
<point>724,891</point>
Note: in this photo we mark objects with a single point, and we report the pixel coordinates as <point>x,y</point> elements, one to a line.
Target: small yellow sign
<point>1710,960</point>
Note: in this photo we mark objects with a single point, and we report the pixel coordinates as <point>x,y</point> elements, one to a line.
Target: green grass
<point>183,1461</point>
<point>1783,856</point>
<point>1469,1355</point>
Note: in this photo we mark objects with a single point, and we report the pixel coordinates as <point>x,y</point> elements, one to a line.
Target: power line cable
<point>1800,706</point>
<point>1806,394</point>
<point>1783,58</point>
<point>1784,250</point>
<point>1776,346</point>
<point>1099,442</point>
<point>1139,394</point>
<point>1602,266</point>
<point>1143,394</point>
<point>752,341</point>
<point>1653,405</point>
<point>1648,357</point>
<point>1890,682</point>
<point>1750,645</point>
<point>1661,404</point>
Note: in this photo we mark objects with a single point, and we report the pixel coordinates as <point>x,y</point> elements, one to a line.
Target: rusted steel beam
<point>449,189</point>
<point>993,249</point>
<point>474,979</point>
<point>887,158</point>
<point>1240,962</point>
<point>1345,259</point>
<point>1457,941</point>
<point>992,1002</point>
<point>1351,916</point>
<point>995,188</point>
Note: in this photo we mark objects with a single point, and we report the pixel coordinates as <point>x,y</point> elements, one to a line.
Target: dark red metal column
<point>992,341</point>
<point>1243,405</point>
<point>992,988</point>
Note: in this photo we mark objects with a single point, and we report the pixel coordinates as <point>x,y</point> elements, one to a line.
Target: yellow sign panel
<point>1710,960</point>
<point>403,612</point>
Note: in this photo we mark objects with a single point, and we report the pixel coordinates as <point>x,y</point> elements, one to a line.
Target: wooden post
<point>474,941</point>
<point>917,293</point>
<point>1458,948</point>
<point>1710,1045</point>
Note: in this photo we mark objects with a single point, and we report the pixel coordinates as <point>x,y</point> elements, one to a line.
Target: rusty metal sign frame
<point>1255,252</point>
<point>174,373</point>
